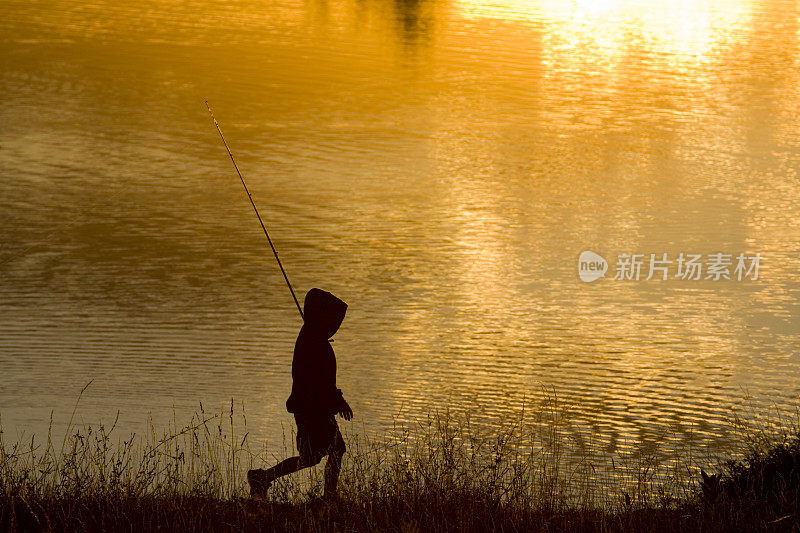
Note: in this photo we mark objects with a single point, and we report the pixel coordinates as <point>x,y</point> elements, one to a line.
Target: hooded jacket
<point>314,363</point>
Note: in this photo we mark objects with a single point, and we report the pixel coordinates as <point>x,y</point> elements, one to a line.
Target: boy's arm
<point>337,401</point>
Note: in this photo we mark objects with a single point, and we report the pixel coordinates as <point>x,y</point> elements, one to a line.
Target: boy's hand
<point>345,411</point>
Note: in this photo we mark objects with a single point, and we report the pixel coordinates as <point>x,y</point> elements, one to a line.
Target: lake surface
<point>439,165</point>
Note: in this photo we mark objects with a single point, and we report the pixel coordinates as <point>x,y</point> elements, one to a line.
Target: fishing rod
<point>250,197</point>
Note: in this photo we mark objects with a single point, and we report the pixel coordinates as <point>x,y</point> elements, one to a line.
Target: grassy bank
<point>439,474</point>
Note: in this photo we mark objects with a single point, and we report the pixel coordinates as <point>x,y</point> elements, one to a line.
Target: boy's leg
<point>311,441</point>
<point>285,467</point>
<point>334,465</point>
<point>260,480</point>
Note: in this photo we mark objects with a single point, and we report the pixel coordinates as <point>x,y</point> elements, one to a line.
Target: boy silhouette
<point>314,400</point>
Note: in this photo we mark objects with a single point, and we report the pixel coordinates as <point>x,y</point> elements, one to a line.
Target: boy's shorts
<point>317,436</point>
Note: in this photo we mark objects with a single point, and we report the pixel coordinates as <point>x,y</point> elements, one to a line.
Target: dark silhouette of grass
<point>439,474</point>
<point>763,487</point>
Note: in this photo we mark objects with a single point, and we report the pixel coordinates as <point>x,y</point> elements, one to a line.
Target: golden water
<point>438,164</point>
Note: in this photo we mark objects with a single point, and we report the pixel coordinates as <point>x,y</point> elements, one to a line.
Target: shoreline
<point>448,477</point>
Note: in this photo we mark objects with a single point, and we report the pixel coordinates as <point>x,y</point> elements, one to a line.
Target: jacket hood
<point>323,312</point>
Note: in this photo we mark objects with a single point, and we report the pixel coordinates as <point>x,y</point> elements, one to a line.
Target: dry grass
<point>442,473</point>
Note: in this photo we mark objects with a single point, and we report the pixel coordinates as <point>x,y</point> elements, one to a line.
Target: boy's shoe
<point>258,483</point>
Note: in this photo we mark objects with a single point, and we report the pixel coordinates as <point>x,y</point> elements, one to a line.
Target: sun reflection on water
<point>603,32</point>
